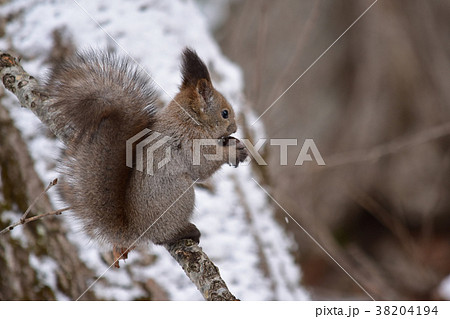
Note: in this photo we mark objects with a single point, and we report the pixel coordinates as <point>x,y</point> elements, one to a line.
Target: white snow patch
<point>45,268</point>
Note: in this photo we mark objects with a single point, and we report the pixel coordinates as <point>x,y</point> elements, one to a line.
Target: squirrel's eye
<point>225,114</point>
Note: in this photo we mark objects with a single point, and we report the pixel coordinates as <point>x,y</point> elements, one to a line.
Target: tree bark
<point>200,270</point>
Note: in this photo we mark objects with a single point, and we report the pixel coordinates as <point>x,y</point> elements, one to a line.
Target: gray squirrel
<point>106,100</point>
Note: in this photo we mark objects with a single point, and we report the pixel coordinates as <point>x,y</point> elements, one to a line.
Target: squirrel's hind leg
<point>120,253</point>
<point>189,232</point>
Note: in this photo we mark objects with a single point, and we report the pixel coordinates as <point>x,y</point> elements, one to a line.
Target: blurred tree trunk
<point>44,239</point>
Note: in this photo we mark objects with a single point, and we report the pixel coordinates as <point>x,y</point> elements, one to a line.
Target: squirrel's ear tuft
<point>193,69</point>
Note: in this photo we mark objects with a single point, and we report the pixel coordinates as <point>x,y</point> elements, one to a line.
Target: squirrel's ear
<point>205,89</point>
<point>193,70</point>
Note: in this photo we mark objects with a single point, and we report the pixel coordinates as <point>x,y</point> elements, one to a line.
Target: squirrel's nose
<point>232,128</point>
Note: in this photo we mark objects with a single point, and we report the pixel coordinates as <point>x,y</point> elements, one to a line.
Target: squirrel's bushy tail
<point>105,100</point>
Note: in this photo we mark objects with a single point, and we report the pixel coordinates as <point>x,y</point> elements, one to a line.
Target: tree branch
<point>196,264</point>
<point>200,270</point>
<point>30,95</point>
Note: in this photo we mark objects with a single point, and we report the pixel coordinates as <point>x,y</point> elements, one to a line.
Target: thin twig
<point>32,219</point>
<point>50,185</point>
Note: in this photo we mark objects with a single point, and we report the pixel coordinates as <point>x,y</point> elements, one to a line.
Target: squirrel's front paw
<point>239,153</point>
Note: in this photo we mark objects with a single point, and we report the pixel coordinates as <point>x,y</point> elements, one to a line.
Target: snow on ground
<point>236,219</point>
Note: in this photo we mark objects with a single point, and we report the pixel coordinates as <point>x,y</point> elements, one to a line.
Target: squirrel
<point>106,100</point>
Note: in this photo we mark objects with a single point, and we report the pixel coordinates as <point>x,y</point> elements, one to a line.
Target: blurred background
<point>376,104</point>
